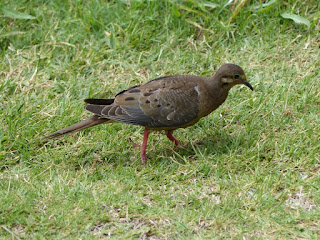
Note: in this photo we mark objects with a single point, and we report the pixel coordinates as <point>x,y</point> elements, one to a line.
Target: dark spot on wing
<point>147,94</point>
<point>129,99</point>
<point>159,105</point>
<point>147,101</point>
<point>156,100</point>
<point>134,90</point>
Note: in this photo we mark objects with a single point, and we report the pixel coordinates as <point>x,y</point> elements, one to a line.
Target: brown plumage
<point>166,103</point>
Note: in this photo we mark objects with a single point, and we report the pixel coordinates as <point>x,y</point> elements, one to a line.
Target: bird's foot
<point>134,144</point>
<point>143,147</point>
<point>184,146</point>
<point>144,158</point>
<point>175,141</point>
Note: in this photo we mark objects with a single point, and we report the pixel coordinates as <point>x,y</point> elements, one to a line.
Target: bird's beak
<point>248,84</point>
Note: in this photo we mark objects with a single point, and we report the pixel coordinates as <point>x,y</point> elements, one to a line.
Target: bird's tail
<point>89,122</point>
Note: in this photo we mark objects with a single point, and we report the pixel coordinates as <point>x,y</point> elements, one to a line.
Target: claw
<point>174,140</point>
<point>134,144</point>
<point>144,158</point>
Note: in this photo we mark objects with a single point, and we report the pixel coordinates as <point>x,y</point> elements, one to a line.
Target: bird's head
<point>230,75</point>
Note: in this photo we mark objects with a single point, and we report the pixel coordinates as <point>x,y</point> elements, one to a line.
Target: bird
<point>166,103</point>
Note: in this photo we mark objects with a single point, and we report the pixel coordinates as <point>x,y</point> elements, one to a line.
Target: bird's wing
<point>166,102</point>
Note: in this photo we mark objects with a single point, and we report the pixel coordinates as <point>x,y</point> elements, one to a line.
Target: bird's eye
<point>236,76</point>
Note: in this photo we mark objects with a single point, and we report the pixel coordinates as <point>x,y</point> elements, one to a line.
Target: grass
<point>253,167</point>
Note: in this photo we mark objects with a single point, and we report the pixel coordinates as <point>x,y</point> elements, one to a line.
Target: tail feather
<point>89,122</point>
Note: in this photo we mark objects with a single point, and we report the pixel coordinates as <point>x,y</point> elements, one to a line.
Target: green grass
<point>253,167</point>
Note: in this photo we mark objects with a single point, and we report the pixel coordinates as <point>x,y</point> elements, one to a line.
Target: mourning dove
<point>166,103</point>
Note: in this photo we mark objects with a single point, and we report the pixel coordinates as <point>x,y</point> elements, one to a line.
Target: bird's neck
<point>216,94</point>
<point>219,95</point>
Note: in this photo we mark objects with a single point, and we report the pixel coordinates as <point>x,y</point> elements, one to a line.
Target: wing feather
<point>166,102</point>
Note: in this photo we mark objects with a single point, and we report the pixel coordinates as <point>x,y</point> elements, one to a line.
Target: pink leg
<point>144,157</point>
<point>174,140</point>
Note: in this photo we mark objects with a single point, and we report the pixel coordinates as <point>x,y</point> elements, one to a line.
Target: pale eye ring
<point>236,76</point>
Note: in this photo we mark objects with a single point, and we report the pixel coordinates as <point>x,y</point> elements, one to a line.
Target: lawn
<point>252,168</point>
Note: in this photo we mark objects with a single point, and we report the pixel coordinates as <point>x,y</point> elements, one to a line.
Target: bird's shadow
<point>213,144</point>
<point>209,145</point>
